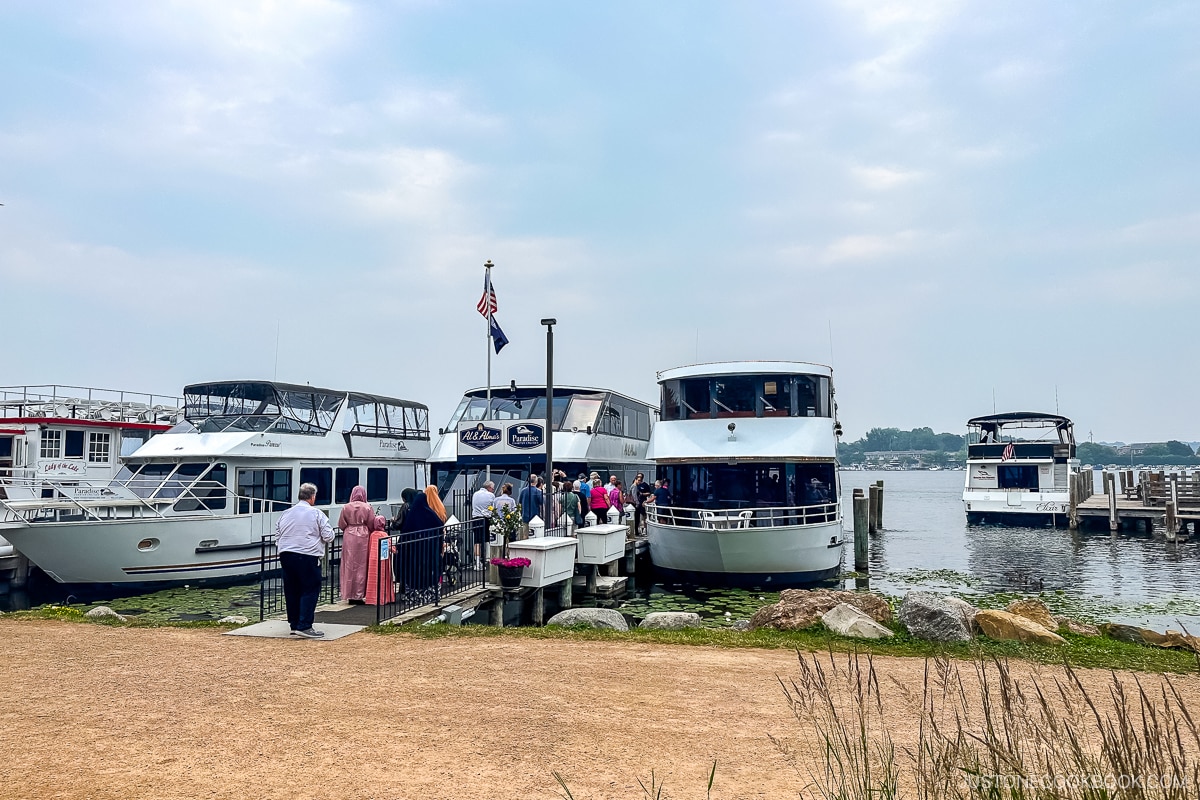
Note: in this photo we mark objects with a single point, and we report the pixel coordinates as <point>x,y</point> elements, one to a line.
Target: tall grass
<point>981,732</point>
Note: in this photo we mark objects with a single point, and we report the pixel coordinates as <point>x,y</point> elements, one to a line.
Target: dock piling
<point>1074,488</point>
<point>872,508</point>
<point>861,526</point>
<point>879,511</point>
<point>1170,522</point>
<point>1110,489</point>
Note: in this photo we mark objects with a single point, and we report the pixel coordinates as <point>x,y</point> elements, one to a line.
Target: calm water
<point>926,544</point>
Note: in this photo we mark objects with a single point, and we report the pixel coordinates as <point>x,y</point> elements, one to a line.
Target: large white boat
<point>71,436</point>
<point>594,430</point>
<point>193,503</point>
<point>749,450</point>
<point>1018,468</point>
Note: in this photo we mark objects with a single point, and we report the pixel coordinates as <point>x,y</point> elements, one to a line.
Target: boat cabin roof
<point>271,390</point>
<point>1017,418</point>
<point>744,368</point>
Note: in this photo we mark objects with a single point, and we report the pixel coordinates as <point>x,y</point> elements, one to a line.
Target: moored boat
<point>195,502</point>
<point>1018,468</point>
<point>749,453</point>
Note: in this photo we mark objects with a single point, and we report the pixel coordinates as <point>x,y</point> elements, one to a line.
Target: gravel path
<point>91,711</point>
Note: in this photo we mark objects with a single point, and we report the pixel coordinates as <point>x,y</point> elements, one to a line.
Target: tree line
<point>943,448</point>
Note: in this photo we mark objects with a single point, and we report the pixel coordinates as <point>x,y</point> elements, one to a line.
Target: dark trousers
<point>301,588</point>
<point>639,517</point>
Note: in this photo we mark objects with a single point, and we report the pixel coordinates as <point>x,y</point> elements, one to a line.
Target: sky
<point>961,206</point>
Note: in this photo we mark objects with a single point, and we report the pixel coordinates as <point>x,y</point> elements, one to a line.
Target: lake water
<point>1135,578</point>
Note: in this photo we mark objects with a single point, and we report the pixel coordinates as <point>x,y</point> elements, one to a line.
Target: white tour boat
<point>1018,467</point>
<point>194,503</point>
<point>749,450</point>
<point>71,436</point>
<point>593,430</point>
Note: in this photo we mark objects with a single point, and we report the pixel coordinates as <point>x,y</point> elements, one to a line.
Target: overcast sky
<point>948,200</point>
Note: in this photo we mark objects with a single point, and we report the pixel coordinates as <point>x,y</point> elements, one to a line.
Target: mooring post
<point>1170,522</point>
<point>565,590</point>
<point>593,570</point>
<point>862,510</point>
<point>613,568</point>
<point>1110,489</point>
<point>872,508</point>
<point>496,613</point>
<point>539,607</point>
<point>1074,482</point>
<point>879,512</point>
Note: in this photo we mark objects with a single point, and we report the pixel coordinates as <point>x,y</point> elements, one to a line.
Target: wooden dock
<point>1148,501</point>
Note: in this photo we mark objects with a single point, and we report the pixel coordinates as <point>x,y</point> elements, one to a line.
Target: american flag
<point>1008,453</point>
<point>487,302</point>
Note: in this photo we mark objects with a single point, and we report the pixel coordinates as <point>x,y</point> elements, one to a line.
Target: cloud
<point>883,178</point>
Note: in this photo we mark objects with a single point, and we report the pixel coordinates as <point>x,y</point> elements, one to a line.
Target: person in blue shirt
<point>662,494</point>
<point>531,500</point>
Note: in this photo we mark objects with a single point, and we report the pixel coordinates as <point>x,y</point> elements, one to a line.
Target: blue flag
<point>498,337</point>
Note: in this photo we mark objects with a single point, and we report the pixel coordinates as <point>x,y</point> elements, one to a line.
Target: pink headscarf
<point>358,495</point>
<point>380,523</point>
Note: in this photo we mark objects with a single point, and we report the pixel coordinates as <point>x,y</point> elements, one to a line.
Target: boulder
<point>1033,610</point>
<point>741,626</point>
<point>967,610</point>
<point>1076,627</point>
<point>846,620</point>
<point>1005,626</point>
<point>671,620</point>
<point>234,619</point>
<point>1135,635</point>
<point>802,608</point>
<point>936,617</point>
<point>595,617</point>
<point>100,612</point>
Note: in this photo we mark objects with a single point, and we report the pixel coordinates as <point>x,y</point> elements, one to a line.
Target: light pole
<point>549,323</point>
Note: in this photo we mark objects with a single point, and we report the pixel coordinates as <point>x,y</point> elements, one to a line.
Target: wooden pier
<point>1147,501</point>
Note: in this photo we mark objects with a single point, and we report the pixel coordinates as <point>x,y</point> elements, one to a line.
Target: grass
<point>1079,651</point>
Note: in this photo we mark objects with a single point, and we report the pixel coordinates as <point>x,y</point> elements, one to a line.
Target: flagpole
<point>487,345</point>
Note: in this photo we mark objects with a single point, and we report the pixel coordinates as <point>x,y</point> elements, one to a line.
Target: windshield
<point>582,413</point>
<point>507,407</point>
<point>254,407</point>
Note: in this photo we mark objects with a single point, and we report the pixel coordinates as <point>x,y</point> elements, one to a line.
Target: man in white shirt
<point>481,504</point>
<point>300,537</point>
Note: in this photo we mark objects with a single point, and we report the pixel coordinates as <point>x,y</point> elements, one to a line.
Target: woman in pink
<point>600,503</point>
<point>356,522</point>
<point>380,591</point>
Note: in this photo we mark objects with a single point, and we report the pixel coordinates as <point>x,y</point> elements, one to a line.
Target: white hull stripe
<point>152,570</point>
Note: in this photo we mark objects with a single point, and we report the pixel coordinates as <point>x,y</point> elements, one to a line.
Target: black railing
<point>426,566</point>
<point>270,576</point>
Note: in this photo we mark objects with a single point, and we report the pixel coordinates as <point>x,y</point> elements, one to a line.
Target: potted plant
<point>504,523</point>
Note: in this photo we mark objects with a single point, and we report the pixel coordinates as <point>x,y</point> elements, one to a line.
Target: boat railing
<point>743,518</point>
<point>84,402</point>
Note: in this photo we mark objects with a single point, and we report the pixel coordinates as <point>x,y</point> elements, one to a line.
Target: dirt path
<point>90,711</point>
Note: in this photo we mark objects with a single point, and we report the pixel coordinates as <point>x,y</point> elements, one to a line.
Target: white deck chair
<point>744,518</point>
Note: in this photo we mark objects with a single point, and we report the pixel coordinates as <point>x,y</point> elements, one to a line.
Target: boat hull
<point>765,557</point>
<point>1016,508</point>
<point>146,551</point>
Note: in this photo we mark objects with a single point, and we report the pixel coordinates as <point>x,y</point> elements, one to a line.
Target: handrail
<point>762,517</point>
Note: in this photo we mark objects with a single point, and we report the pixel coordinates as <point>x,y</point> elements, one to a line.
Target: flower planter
<point>510,577</point>
<point>552,559</point>
<point>600,544</point>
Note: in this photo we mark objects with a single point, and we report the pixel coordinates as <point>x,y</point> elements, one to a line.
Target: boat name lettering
<point>526,436</point>
<point>392,444</point>
<point>480,437</point>
<point>1052,508</point>
<point>267,443</point>
<point>62,466</point>
<point>631,449</point>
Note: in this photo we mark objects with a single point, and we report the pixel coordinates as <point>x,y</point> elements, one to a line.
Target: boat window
<point>669,406</point>
<point>458,413</point>
<point>132,440</point>
<point>264,490</point>
<point>347,479</point>
<point>51,446</point>
<point>373,416</point>
<point>735,395</point>
<point>6,446</point>
<point>123,474</point>
<point>776,395</point>
<point>148,478</point>
<point>538,410</point>
<point>208,493</point>
<point>643,424</point>
<point>759,485</point>
<point>696,398</point>
<point>182,478</point>
<point>183,426</point>
<point>1017,476</point>
<point>581,414</point>
<point>74,445</point>
<point>99,447</point>
<point>255,406</point>
<point>377,484</point>
<point>812,396</point>
<point>322,478</point>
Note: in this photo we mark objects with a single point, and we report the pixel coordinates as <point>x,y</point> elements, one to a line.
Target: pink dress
<point>356,521</point>
<point>380,591</point>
